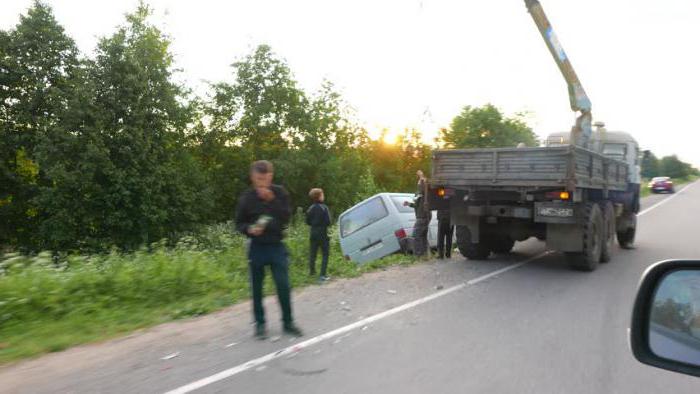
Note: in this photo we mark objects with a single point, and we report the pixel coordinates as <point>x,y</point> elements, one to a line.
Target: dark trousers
<point>444,241</point>
<point>274,255</point>
<point>314,244</point>
<point>420,236</point>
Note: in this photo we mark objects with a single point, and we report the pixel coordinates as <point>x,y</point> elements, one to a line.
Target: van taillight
<point>400,233</point>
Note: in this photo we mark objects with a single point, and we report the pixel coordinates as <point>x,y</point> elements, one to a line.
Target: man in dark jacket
<point>262,214</point>
<point>423,216</point>
<point>445,231</point>
<point>319,218</point>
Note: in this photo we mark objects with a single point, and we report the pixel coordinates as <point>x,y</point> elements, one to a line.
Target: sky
<point>416,63</point>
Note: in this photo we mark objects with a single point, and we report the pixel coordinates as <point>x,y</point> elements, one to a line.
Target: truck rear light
<point>400,233</point>
<point>444,192</point>
<point>557,195</point>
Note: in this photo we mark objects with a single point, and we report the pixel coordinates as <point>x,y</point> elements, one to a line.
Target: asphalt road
<point>438,327</point>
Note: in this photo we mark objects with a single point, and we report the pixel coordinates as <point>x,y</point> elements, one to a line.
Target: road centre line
<point>667,199</point>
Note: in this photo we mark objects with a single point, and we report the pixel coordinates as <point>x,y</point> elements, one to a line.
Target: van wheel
<point>470,250</point>
<point>501,244</point>
<point>593,233</point>
<point>610,228</point>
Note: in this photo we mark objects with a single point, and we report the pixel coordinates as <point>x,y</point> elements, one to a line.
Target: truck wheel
<point>593,232</point>
<point>501,245</point>
<point>470,250</point>
<point>625,237</point>
<point>610,229</point>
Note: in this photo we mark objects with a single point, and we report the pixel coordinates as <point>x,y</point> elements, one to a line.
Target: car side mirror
<point>665,329</point>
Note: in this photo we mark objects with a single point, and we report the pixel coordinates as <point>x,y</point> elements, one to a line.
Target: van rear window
<point>362,216</point>
<point>398,202</point>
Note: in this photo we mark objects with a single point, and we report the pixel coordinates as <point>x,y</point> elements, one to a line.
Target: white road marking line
<point>364,322</point>
<point>342,330</point>
<point>667,199</point>
<point>506,269</point>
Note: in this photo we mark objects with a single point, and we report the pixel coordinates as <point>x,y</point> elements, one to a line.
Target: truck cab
<point>618,145</point>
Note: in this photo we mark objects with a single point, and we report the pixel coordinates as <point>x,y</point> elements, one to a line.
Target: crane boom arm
<point>578,99</point>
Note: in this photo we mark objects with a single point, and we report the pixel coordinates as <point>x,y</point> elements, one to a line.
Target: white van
<point>379,226</point>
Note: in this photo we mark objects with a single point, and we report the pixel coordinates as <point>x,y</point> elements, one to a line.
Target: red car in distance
<point>661,184</point>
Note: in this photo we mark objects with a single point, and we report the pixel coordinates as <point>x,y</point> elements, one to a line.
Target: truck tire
<point>593,232</point>
<point>625,237</point>
<point>470,250</point>
<point>501,245</point>
<point>610,230</point>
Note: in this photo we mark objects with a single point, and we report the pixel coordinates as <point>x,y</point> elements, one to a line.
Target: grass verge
<point>48,305</point>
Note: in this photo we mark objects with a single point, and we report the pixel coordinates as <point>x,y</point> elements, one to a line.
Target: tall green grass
<point>48,303</point>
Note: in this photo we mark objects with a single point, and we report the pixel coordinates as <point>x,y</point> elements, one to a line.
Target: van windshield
<point>398,202</point>
<point>362,216</point>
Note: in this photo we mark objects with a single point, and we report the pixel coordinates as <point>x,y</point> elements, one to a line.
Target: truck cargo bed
<point>565,166</point>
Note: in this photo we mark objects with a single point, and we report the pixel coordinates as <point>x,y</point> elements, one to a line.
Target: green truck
<point>578,192</point>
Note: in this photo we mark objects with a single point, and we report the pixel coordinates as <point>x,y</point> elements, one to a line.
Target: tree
<point>122,174</point>
<point>486,127</point>
<point>673,167</point>
<point>650,164</point>
<point>263,109</point>
<point>262,114</point>
<point>394,165</point>
<point>38,63</point>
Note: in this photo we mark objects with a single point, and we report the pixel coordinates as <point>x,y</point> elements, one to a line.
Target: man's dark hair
<point>262,167</point>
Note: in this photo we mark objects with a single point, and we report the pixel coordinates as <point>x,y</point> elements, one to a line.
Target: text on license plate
<point>557,212</point>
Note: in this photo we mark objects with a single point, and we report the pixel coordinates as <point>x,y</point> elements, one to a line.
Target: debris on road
<point>346,308</point>
<point>391,291</point>
<point>365,328</point>
<point>296,372</point>
<point>261,368</point>
<point>231,345</point>
<point>275,338</point>
<point>439,287</point>
<point>292,355</point>
<point>171,356</point>
<point>340,339</point>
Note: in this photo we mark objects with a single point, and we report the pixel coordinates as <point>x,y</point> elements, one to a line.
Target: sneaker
<point>260,332</point>
<point>293,330</point>
<point>322,278</point>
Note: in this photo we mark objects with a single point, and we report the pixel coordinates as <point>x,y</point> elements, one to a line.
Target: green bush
<point>48,303</point>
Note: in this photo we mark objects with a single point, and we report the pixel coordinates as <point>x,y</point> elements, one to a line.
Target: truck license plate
<point>557,212</point>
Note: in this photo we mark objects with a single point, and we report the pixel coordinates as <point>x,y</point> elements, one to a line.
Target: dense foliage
<point>107,149</point>
<point>670,166</point>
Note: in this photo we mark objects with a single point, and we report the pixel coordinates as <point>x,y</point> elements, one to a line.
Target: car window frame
<point>400,208</point>
<point>386,213</point>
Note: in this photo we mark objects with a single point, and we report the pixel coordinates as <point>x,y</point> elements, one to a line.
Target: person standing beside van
<point>423,216</point>
<point>445,231</point>
<point>319,218</point>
